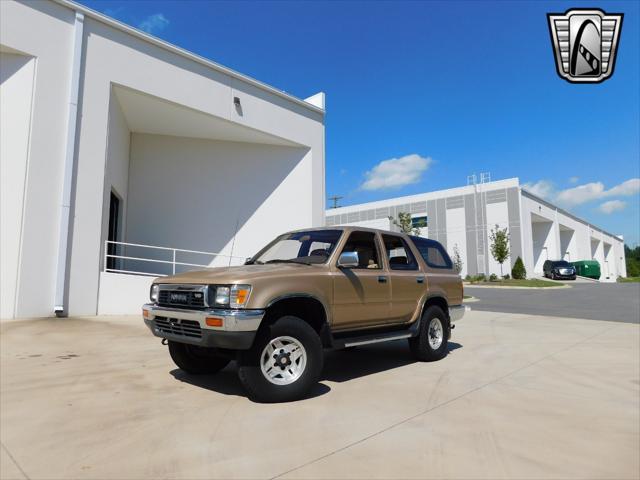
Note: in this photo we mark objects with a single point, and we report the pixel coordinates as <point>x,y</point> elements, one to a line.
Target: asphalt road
<point>615,302</point>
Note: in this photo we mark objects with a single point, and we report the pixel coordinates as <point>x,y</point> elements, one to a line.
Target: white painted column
<point>65,208</point>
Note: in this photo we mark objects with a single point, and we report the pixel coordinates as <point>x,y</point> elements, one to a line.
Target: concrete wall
<point>16,91</point>
<point>115,55</point>
<point>122,294</point>
<point>116,176</point>
<point>42,31</point>
<point>194,193</point>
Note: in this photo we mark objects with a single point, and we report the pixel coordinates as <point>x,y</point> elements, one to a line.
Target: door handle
<point>382,279</point>
<point>420,279</point>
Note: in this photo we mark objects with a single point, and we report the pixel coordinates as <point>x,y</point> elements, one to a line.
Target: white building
<point>464,217</point>
<point>109,134</point>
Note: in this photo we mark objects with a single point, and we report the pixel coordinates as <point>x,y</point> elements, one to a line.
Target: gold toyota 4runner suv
<point>306,291</point>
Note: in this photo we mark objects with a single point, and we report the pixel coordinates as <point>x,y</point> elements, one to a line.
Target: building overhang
<point>149,114</point>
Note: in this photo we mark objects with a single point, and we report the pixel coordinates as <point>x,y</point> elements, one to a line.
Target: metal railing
<point>116,259</point>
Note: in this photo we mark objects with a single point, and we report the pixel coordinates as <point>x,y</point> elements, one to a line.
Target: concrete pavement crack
<point>15,462</point>
<point>445,403</point>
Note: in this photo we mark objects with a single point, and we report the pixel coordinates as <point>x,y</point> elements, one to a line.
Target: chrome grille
<point>175,326</point>
<point>181,298</point>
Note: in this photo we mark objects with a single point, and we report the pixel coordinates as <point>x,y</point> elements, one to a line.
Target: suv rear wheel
<point>196,360</point>
<point>433,337</point>
<point>284,362</point>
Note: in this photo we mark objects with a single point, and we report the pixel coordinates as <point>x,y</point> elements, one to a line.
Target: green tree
<point>457,259</point>
<point>406,225</point>
<point>518,271</point>
<point>499,245</point>
<point>632,259</point>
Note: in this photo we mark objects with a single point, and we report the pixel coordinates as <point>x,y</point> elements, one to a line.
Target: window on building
<point>419,222</point>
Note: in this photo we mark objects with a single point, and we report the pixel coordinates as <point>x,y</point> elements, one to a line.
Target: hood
<point>238,274</point>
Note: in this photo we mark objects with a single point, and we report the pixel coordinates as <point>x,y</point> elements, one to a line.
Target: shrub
<point>467,278</point>
<point>479,278</point>
<point>493,277</point>
<point>506,276</point>
<point>518,271</point>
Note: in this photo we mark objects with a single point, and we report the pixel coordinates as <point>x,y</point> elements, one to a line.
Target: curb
<point>511,287</point>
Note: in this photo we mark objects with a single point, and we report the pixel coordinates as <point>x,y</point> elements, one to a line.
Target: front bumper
<point>237,332</point>
<point>565,275</point>
<point>456,312</point>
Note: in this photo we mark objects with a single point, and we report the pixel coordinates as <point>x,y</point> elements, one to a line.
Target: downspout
<point>65,208</point>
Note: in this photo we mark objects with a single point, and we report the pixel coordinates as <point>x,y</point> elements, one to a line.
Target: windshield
<point>562,263</point>
<point>314,246</point>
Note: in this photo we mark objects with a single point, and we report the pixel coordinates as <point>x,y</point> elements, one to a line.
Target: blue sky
<point>442,89</point>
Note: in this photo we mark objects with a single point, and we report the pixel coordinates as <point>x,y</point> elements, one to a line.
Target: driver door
<point>361,294</point>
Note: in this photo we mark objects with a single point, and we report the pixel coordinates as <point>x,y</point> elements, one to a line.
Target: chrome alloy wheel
<point>436,333</point>
<point>283,360</point>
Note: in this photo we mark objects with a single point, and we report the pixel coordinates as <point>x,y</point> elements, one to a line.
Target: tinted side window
<point>399,253</point>
<point>364,244</point>
<point>433,253</point>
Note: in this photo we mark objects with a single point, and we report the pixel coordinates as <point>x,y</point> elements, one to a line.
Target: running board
<point>352,339</point>
<point>367,341</point>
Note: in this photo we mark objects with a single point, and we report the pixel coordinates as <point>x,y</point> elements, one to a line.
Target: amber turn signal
<point>145,314</point>
<point>214,321</point>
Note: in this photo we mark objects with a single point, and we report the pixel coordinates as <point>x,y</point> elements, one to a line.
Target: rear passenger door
<point>407,281</point>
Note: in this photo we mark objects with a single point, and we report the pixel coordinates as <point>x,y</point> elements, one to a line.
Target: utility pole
<point>335,199</point>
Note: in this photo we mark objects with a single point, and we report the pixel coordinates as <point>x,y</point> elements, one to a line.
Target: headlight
<point>153,293</point>
<point>230,296</point>
<point>222,296</point>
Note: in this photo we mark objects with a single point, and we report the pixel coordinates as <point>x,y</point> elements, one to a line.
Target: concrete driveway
<point>517,397</point>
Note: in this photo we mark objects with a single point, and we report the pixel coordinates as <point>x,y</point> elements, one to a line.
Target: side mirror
<point>348,260</point>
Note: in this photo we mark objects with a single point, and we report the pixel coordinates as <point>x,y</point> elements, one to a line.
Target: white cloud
<point>154,23</point>
<point>612,206</point>
<point>542,188</point>
<point>396,172</point>
<point>580,194</point>
<point>574,179</point>
<point>588,192</point>
<point>626,189</point>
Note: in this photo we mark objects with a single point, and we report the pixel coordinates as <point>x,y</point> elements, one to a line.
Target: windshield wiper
<point>282,260</point>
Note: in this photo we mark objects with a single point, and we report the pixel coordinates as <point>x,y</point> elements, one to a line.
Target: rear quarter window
<point>433,253</point>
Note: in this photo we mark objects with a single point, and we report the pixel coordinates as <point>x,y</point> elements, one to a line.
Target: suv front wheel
<point>284,362</point>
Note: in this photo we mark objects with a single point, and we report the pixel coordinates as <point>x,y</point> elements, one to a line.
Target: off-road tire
<point>420,346</point>
<point>196,360</point>
<point>258,387</point>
